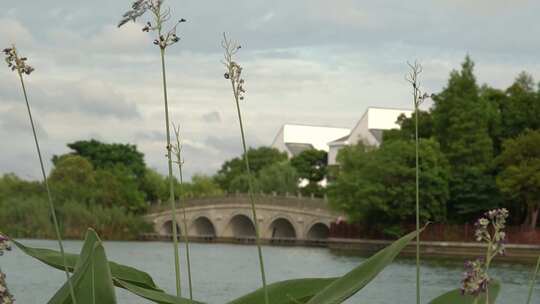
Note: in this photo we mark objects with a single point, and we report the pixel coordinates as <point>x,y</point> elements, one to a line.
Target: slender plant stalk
<point>533,281</point>
<point>252,202</point>
<point>233,73</point>
<point>417,201</point>
<point>46,182</point>
<point>164,39</point>
<point>171,181</point>
<point>184,232</point>
<point>412,78</point>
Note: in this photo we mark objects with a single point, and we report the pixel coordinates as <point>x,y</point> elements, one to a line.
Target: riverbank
<point>363,247</point>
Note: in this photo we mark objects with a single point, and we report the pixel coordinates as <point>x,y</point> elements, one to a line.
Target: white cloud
<point>12,31</point>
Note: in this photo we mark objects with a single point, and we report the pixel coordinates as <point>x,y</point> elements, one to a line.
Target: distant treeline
<point>100,185</point>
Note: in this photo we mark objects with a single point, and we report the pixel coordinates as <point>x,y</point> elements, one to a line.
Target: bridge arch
<point>281,227</point>
<point>318,231</point>
<point>202,226</point>
<point>240,225</point>
<point>167,227</point>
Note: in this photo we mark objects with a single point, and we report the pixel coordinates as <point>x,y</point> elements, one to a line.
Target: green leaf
<point>154,295</point>
<point>54,259</point>
<point>455,296</point>
<point>131,279</point>
<point>349,284</point>
<point>287,292</point>
<point>92,281</point>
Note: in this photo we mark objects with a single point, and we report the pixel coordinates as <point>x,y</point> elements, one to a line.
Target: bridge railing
<point>241,198</point>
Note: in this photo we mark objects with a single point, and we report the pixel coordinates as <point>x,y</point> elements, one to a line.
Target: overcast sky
<point>305,61</point>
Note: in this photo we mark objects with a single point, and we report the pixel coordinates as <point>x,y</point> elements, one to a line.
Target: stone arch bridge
<point>282,218</point>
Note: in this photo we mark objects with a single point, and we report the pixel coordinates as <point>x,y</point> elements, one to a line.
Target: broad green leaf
<point>287,292</point>
<point>92,281</point>
<point>455,296</point>
<point>90,240</point>
<point>54,259</point>
<point>154,295</point>
<point>349,284</point>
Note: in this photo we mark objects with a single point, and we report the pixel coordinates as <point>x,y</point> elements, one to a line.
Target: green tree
<point>377,186</point>
<point>73,179</point>
<point>240,184</point>
<point>407,129</point>
<point>117,187</point>
<point>235,168</point>
<point>280,177</point>
<point>520,178</point>
<point>521,109</point>
<point>104,155</point>
<point>154,186</point>
<point>461,121</point>
<point>201,186</point>
<point>495,98</point>
<point>311,166</point>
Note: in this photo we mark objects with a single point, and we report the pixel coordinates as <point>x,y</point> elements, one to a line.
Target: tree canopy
<point>311,166</point>
<point>104,155</point>
<point>519,179</point>
<point>376,186</point>
<point>235,168</point>
<point>461,121</point>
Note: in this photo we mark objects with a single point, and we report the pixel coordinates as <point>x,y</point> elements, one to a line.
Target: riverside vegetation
<point>91,278</point>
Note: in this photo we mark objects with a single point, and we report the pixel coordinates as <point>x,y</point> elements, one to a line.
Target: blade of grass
<point>153,295</point>
<point>121,272</point>
<point>178,152</point>
<point>234,71</point>
<point>349,284</point>
<point>533,281</point>
<point>287,292</point>
<point>92,279</point>
<point>52,209</point>
<point>129,278</point>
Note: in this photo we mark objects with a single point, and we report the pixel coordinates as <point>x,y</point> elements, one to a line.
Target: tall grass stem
<point>171,181</point>
<point>182,202</point>
<point>46,182</point>
<point>252,201</point>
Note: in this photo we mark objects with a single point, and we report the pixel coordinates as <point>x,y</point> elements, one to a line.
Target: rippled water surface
<point>223,272</point>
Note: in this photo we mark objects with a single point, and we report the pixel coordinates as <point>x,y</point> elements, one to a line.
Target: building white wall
<point>372,120</point>
<point>279,144</point>
<point>316,136</point>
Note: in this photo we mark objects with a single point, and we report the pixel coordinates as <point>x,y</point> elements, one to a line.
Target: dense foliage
<point>519,181</point>
<point>231,176</point>
<point>481,132</point>
<point>311,167</point>
<point>376,186</point>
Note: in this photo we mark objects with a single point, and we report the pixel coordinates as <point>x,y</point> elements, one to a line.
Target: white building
<point>294,139</point>
<point>369,129</point>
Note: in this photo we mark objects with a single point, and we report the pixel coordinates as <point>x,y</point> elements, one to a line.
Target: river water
<point>223,272</point>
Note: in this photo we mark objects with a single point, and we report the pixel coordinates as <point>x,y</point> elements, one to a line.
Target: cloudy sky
<point>305,61</point>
